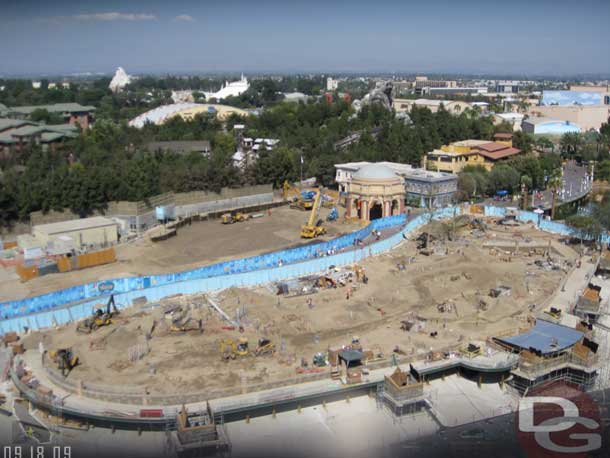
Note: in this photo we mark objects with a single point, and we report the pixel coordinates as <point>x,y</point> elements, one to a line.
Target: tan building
<point>454,107</point>
<point>86,233</point>
<point>586,117</point>
<point>375,191</point>
<point>585,88</point>
<point>454,157</point>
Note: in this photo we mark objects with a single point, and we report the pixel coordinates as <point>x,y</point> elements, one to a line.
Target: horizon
<point>469,38</point>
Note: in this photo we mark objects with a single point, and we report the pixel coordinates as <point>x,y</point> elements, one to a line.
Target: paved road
<point>576,183</point>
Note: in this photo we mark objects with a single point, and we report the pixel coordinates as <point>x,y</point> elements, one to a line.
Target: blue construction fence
<point>544,224</point>
<point>78,293</point>
<point>154,292</point>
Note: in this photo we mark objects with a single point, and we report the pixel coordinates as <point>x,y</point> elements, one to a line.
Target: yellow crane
<point>314,227</point>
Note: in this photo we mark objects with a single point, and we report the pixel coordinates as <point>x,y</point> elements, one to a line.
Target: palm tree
<point>526,185</point>
<point>555,182</point>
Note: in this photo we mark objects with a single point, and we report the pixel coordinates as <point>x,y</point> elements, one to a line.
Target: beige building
<point>86,233</point>
<point>454,107</point>
<point>586,117</point>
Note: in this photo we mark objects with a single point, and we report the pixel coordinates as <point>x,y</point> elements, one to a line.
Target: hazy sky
<point>467,36</point>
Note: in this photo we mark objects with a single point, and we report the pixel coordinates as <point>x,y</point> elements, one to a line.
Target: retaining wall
<point>246,271</point>
<point>77,302</point>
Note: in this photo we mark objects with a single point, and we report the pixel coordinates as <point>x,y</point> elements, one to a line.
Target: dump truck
<point>99,318</point>
<point>64,359</point>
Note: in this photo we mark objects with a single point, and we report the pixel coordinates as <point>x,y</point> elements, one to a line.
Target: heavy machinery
<point>188,324</point>
<point>319,359</point>
<point>229,218</point>
<point>333,215</point>
<point>265,347</point>
<point>229,349</point>
<point>314,227</point>
<point>64,359</point>
<point>299,199</point>
<point>99,318</point>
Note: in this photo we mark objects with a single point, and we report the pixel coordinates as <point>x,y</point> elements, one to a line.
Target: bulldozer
<point>314,227</point>
<point>229,349</point>
<point>64,359</point>
<point>229,218</point>
<point>99,318</point>
<point>265,347</point>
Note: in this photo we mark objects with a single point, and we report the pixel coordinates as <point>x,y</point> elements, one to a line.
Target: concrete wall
<point>141,215</point>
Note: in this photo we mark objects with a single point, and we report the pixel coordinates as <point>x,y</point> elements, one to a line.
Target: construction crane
<point>64,359</point>
<point>99,318</point>
<point>314,227</point>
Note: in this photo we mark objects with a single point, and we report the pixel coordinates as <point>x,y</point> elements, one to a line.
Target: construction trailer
<point>86,233</point>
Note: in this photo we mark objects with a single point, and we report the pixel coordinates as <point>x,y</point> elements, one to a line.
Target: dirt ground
<point>196,245</point>
<point>459,272</point>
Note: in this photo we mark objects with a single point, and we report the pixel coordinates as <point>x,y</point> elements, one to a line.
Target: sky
<point>513,37</point>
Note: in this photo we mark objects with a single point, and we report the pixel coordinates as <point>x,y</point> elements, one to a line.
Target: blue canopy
<point>545,337</point>
<point>502,192</point>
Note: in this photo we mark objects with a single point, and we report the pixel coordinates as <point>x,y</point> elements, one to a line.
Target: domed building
<point>374,191</point>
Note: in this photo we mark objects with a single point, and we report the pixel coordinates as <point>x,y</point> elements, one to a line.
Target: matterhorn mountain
<point>120,80</point>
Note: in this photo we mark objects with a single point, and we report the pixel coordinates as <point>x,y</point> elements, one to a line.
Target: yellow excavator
<point>229,349</point>
<point>99,318</point>
<point>296,197</point>
<point>314,227</point>
<point>64,359</point>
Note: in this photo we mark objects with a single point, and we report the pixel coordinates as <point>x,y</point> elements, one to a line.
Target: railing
<point>535,366</point>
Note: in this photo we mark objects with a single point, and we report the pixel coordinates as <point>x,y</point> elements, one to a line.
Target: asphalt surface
<point>574,185</point>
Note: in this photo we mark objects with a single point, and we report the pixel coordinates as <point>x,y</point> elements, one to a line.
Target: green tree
<point>585,227</point>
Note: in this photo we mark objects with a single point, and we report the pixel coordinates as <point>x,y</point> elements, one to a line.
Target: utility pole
<point>301,180</point>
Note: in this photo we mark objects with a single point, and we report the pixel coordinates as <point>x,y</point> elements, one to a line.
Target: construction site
<point>443,318</point>
<point>198,243</point>
<point>456,282</point>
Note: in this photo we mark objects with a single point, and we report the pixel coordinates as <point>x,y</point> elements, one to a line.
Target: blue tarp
<point>545,337</point>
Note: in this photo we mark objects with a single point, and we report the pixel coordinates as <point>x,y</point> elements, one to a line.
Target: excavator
<point>301,200</point>
<point>64,359</point>
<point>229,349</point>
<point>188,324</point>
<point>99,318</point>
<point>314,227</point>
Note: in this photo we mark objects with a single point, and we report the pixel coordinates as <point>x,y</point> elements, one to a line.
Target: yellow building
<point>454,157</point>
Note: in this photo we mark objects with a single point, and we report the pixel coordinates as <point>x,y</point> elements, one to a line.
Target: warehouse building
<point>86,234</point>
